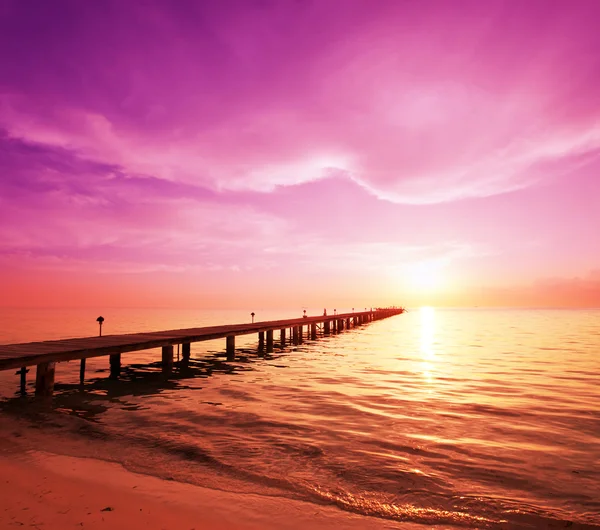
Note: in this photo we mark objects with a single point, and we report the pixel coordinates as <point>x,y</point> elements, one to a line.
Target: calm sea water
<point>476,418</point>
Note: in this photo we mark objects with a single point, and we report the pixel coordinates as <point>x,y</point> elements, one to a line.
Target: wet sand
<point>56,492</point>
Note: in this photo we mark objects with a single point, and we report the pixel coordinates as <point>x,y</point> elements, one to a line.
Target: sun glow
<point>425,276</point>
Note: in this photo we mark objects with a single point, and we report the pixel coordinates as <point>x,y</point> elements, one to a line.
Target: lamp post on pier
<point>100,320</point>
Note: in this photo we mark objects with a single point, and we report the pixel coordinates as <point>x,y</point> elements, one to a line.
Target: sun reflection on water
<point>427,322</point>
<point>427,332</point>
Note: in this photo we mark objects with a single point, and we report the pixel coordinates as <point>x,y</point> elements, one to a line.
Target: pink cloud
<point>419,108</point>
<point>298,137</point>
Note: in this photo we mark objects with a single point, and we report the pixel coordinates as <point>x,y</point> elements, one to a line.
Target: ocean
<point>475,418</point>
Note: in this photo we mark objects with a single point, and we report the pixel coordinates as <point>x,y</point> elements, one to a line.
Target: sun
<point>425,276</point>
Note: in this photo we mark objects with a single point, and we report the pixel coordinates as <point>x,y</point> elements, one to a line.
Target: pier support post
<point>115,365</point>
<point>340,325</point>
<point>295,334</point>
<point>23,386</point>
<point>44,379</point>
<point>230,347</point>
<point>282,337</point>
<point>167,359</point>
<point>313,331</point>
<point>270,341</point>
<point>261,341</point>
<point>334,326</point>
<point>300,333</point>
<point>326,328</point>
<point>186,353</point>
<point>82,371</point>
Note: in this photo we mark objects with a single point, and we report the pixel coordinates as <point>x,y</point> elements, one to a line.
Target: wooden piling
<point>300,334</point>
<point>186,353</point>
<point>23,383</point>
<point>230,345</point>
<point>115,365</point>
<point>167,359</point>
<point>44,379</point>
<point>326,328</point>
<point>82,371</point>
<point>282,337</point>
<point>269,341</point>
<point>295,334</point>
<point>261,341</point>
<point>313,331</point>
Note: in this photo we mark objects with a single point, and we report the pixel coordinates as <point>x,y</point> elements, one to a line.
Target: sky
<point>285,153</point>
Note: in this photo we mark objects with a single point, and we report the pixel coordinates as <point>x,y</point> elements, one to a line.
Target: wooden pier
<point>46,354</point>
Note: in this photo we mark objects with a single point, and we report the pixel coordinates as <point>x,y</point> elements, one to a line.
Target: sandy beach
<point>57,492</point>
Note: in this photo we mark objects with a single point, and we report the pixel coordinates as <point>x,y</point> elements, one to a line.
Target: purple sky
<point>206,153</point>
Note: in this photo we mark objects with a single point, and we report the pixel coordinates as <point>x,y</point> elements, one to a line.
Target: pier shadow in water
<point>100,391</point>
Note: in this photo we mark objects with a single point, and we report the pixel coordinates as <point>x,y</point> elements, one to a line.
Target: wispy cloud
<point>410,116</point>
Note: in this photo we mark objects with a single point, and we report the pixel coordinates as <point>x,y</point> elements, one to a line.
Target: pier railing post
<point>44,379</point>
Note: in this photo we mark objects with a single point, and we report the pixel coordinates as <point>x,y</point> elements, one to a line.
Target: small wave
<point>371,506</point>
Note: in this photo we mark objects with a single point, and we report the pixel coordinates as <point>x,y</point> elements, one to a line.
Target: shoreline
<point>56,492</point>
